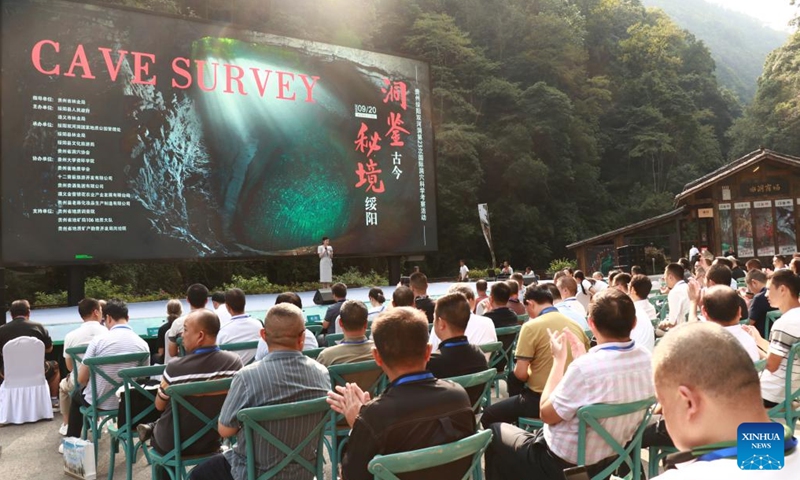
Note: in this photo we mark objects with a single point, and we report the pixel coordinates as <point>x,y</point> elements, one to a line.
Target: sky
<point>773,13</point>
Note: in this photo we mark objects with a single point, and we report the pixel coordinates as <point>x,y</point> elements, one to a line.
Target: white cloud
<point>773,13</point>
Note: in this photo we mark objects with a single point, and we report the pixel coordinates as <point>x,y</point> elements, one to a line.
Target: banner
<point>785,227</point>
<point>744,230</point>
<point>133,136</point>
<point>483,215</point>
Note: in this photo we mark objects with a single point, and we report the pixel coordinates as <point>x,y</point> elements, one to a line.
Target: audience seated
<point>21,326</point>
<point>569,289</point>
<point>513,299</point>
<point>622,282</point>
<point>203,361</point>
<point>456,356</point>
<point>721,306</point>
<point>719,274</point>
<point>403,297</point>
<point>377,301</point>
<point>89,310</point>
<point>756,282</point>
<point>564,309</point>
<point>241,327</point>
<point>534,359</point>
<point>678,296</point>
<point>615,371</point>
<point>643,333</point>
<point>285,375</point>
<point>355,346</point>
<point>481,287</point>
<point>498,310</point>
<point>708,387</point>
<point>419,285</point>
<point>584,290</point>
<point>783,288</point>
<point>218,303</point>
<point>174,311</point>
<point>197,296</point>
<point>339,291</point>
<point>416,411</point>
<point>599,284</point>
<point>119,340</point>
<point>310,341</point>
<point>480,330</point>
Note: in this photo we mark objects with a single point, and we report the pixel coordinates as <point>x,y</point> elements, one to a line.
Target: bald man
<point>203,361</point>
<point>284,375</point>
<point>707,386</point>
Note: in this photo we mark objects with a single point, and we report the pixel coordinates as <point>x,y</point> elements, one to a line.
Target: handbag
<point>79,459</point>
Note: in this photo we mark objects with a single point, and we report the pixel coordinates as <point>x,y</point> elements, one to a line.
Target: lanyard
<point>199,351</point>
<point>413,378</point>
<point>354,342</point>
<point>454,344</point>
<point>237,317</point>
<point>548,310</point>
<point>121,326</point>
<point>788,445</point>
<point>623,348</point>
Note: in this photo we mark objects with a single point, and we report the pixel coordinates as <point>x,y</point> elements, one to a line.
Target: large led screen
<point>131,136</point>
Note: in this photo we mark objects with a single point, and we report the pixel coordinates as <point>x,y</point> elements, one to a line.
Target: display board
<point>132,136</point>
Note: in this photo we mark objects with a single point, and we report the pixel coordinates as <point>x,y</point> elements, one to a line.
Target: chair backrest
<point>334,338</point>
<point>315,329</point>
<point>24,362</point>
<point>96,364</point>
<point>523,318</point>
<point>76,354</point>
<point>386,467</point>
<point>508,349</point>
<point>484,378</point>
<point>494,349</point>
<point>344,372</point>
<point>313,352</point>
<point>130,383</point>
<point>792,366</point>
<point>182,407</point>
<point>590,416</point>
<point>308,448</point>
<point>769,320</point>
<point>241,347</point>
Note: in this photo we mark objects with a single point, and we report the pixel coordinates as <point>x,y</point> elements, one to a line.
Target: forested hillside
<point>739,44</point>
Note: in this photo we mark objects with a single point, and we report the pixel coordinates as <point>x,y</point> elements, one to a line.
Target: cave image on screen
<point>130,136</point>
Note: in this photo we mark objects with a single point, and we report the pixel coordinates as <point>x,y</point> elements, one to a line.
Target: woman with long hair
<point>174,310</point>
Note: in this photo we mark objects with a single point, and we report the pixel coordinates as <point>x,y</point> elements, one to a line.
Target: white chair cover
<point>25,395</point>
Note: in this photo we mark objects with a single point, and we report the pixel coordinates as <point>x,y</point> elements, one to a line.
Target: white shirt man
<point>463,272</point>
<point>599,284</point>
<point>480,330</point>
<point>241,328</point>
<point>678,297</point>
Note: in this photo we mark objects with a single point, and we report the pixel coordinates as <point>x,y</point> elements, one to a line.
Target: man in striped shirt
<point>615,371</point>
<point>285,375</point>
<point>203,361</point>
<point>120,340</point>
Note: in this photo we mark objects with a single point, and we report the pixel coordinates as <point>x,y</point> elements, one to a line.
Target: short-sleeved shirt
<point>331,315</point>
<point>20,327</point>
<point>573,314</point>
<point>480,331</point>
<point>575,305</point>
<point>120,340</point>
<point>609,373</point>
<point>175,331</point>
<point>785,333</point>
<point>745,339</point>
<point>409,416</point>
<point>534,345</point>
<point>82,336</point>
<point>643,332</point>
<point>162,336</point>
<point>280,377</point>
<point>207,364</point>
<point>757,311</point>
<point>352,350</point>
<point>678,302</point>
<point>241,328</point>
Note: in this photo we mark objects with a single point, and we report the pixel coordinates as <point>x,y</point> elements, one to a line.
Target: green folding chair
<point>523,318</point>
<point>173,462</point>
<point>760,365</point>
<point>589,416</point>
<point>654,456</point>
<point>785,410</point>
<point>340,375</point>
<point>770,319</point>
<point>507,354</point>
<point>308,450</point>
<point>181,350</point>
<point>76,355</point>
<point>484,378</point>
<point>124,434</point>
<point>315,329</point>
<point>387,467</point>
<point>530,424</point>
<point>239,346</point>
<point>313,352</point>
<point>94,419</point>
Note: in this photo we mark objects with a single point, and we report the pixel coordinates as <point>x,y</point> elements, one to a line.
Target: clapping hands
<point>348,401</point>
<point>560,341</point>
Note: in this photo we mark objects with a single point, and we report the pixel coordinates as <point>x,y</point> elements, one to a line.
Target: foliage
<point>106,289</point>
<point>657,254</point>
<point>42,299</point>
<point>560,264</point>
<point>252,285</point>
<point>352,277</point>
